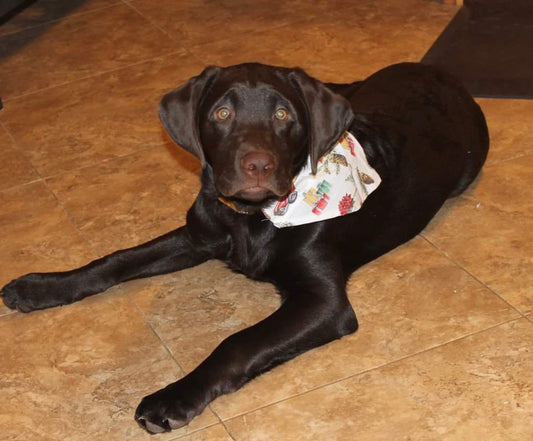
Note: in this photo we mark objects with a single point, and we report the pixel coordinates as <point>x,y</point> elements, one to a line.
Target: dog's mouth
<point>255,194</point>
<point>250,200</point>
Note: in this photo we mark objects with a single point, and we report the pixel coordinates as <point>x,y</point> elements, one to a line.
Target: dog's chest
<point>251,247</point>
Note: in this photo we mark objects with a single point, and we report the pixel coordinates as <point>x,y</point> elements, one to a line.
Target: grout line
<point>221,421</point>
<point>96,164</point>
<point>227,430</point>
<point>181,51</point>
<point>67,16</point>
<point>14,187</point>
<point>143,315</point>
<point>7,313</point>
<point>170,36</point>
<point>16,147</point>
<point>463,268</point>
<point>149,20</point>
<point>192,432</point>
<point>375,368</point>
<point>33,181</point>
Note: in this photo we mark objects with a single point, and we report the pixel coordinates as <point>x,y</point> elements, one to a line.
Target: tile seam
<point>147,322</point>
<point>9,99</point>
<point>49,22</point>
<point>16,148</point>
<point>450,258</point>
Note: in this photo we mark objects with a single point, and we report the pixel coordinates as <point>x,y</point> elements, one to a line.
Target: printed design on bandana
<point>283,204</point>
<point>334,160</point>
<point>346,204</point>
<point>347,143</point>
<point>318,197</point>
<point>343,181</point>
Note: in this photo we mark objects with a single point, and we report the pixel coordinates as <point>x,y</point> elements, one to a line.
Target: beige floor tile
<point>472,389</point>
<point>129,200</point>
<point>43,11</point>
<point>509,123</point>
<point>490,237</point>
<point>77,47</point>
<point>15,169</point>
<point>331,47</point>
<point>37,235</point>
<point>96,119</point>
<point>78,372</point>
<point>194,309</point>
<point>408,301</point>
<point>506,186</point>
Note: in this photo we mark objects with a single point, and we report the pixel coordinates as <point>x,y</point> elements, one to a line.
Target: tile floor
<point>445,347</point>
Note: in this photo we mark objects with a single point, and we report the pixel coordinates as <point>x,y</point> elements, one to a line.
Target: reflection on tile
<point>78,372</point>
<point>476,388</point>
<point>99,118</point>
<point>332,49</point>
<point>42,11</point>
<point>76,47</point>
<point>509,123</point>
<point>15,169</point>
<point>495,245</point>
<point>407,301</point>
<point>129,200</point>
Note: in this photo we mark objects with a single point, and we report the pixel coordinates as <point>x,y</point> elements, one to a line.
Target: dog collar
<point>343,181</point>
<point>238,207</point>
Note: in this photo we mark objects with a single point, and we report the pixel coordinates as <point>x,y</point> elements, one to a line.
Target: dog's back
<point>430,102</point>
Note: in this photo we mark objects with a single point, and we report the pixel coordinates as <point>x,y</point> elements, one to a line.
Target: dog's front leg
<point>170,252</point>
<point>315,311</point>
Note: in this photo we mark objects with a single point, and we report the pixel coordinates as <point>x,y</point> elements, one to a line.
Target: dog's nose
<point>258,164</point>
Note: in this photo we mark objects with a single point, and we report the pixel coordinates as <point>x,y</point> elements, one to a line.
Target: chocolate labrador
<point>255,129</point>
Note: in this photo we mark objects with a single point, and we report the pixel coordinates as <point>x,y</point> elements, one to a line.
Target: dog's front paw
<point>34,291</point>
<point>167,409</point>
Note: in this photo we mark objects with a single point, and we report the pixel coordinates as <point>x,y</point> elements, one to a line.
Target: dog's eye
<point>282,114</point>
<point>222,113</point>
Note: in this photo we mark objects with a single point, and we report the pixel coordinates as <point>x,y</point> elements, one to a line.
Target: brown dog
<point>255,128</point>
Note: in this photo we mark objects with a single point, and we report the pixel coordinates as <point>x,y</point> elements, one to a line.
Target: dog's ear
<point>178,112</point>
<point>328,114</point>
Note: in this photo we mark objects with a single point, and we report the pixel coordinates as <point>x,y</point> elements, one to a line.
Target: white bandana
<point>342,182</point>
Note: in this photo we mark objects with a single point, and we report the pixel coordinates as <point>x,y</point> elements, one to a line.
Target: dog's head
<point>255,126</point>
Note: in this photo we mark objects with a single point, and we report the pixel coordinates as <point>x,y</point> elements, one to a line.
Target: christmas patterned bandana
<point>343,181</point>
